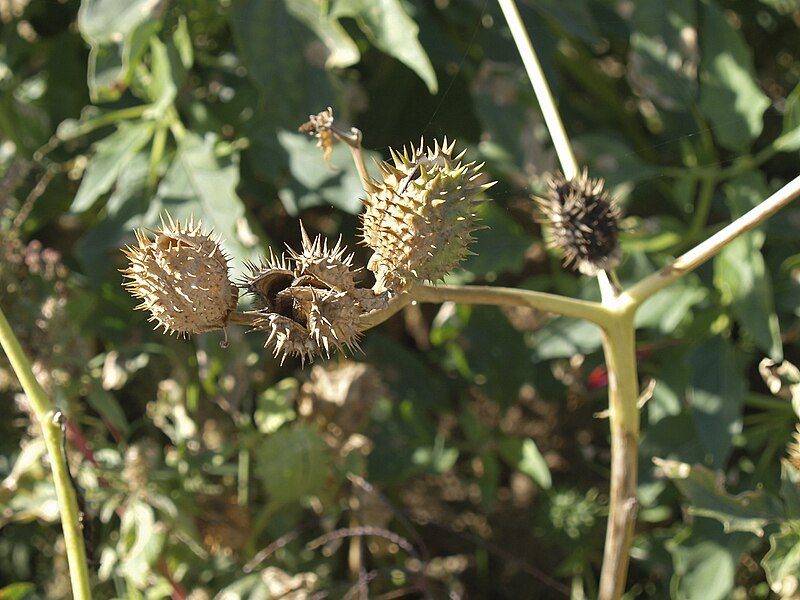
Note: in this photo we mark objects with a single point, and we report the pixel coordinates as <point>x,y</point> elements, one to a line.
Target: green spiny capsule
<point>420,217</point>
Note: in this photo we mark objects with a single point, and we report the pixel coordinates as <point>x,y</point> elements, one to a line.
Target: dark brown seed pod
<point>584,222</point>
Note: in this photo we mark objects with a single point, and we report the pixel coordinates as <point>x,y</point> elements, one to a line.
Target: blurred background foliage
<point>461,454</point>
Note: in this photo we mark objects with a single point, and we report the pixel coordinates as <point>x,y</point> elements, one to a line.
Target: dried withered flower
<point>305,300</point>
<point>319,125</point>
<point>419,218</point>
<point>584,222</point>
<point>181,277</point>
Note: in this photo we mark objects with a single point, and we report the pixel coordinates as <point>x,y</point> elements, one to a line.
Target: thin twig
<point>695,257</point>
<point>548,106</point>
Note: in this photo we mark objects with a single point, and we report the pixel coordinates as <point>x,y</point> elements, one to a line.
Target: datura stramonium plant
<point>418,220</point>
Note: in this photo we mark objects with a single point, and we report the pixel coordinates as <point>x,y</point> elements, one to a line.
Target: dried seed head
<point>307,301</point>
<point>181,277</point>
<point>319,126</point>
<point>584,222</point>
<point>420,217</point>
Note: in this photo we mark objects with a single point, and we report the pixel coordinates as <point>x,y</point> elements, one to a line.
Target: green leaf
<point>499,246</point>
<point>140,543</point>
<point>561,337</point>
<point>111,156</point>
<point>748,511</point>
<point>118,32</point>
<point>705,571</point>
<point>789,141</point>
<point>668,308</point>
<point>315,183</point>
<point>790,489</point>
<point>523,454</point>
<point>390,28</point>
<point>18,591</point>
<point>202,185</point>
<point>98,250</point>
<point>276,406</point>
<point>782,562</point>
<point>741,277</point>
<point>292,463</point>
<point>661,62</point>
<point>343,51</point>
<point>162,86</point>
<point>727,80</point>
<point>715,396</point>
<point>107,406</point>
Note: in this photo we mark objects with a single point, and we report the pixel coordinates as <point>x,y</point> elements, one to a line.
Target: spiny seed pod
<point>181,277</point>
<point>307,300</point>
<point>420,217</point>
<point>584,222</point>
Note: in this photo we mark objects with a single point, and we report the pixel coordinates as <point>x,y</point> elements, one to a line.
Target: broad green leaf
<point>276,406</point>
<point>270,45</point>
<point>343,51</point>
<point>111,156</point>
<point>574,17</point>
<point>162,86</point>
<point>790,489</point>
<point>108,407</point>
<point>140,543</point>
<point>201,185</point>
<point>118,32</point>
<point>789,141</point>
<point>715,396</point>
<point>182,42</point>
<point>705,571</point>
<point>727,80</point>
<point>668,308</point>
<point>562,337</point>
<point>523,454</point>
<point>390,28</point>
<point>98,250</point>
<point>748,511</point>
<point>661,64</point>
<point>292,463</point>
<point>741,277</point>
<point>314,182</point>
<point>496,353</point>
<point>782,561</point>
<point>499,246</point>
<point>18,591</point>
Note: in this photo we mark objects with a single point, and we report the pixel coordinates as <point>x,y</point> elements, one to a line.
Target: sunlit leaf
<point>118,31</point>
<point>727,80</point>
<point>782,561</point>
<point>343,51</point>
<point>111,156</point>
<point>748,511</point>
<point>387,25</point>
<point>523,454</point>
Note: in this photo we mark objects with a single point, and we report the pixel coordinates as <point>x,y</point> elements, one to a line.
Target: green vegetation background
<point>469,448</point>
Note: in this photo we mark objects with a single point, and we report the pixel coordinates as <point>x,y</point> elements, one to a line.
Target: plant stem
<point>53,438</point>
<point>497,296</point>
<point>695,257</point>
<point>548,106</point>
<point>619,347</point>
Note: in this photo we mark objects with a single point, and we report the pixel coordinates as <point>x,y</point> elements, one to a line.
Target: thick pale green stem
<point>546,103</point>
<point>53,437</point>
<point>619,347</point>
